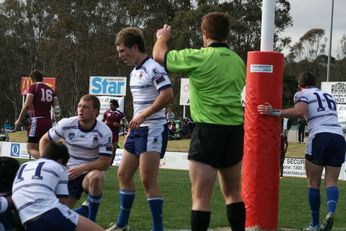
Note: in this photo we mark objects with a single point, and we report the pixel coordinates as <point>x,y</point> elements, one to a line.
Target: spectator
<point>7,126</point>
<point>4,135</point>
<point>301,129</point>
<point>283,149</point>
<point>170,114</point>
<point>187,127</point>
<point>287,124</point>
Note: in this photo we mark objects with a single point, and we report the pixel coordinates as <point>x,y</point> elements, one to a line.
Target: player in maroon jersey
<point>114,120</point>
<point>39,100</point>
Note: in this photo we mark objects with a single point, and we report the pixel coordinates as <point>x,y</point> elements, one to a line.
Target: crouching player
<point>39,190</point>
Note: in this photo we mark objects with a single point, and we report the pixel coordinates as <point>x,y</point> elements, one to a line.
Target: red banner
<point>26,82</point>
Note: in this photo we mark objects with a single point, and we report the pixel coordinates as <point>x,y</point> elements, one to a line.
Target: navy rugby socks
<point>126,200</point>
<point>94,203</point>
<point>314,199</point>
<point>155,205</point>
<point>332,198</point>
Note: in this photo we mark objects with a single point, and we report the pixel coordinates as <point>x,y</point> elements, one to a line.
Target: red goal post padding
<point>260,176</point>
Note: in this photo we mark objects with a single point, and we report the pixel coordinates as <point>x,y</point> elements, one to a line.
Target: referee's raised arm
<point>160,47</point>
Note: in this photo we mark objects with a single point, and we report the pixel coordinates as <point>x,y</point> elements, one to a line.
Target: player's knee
<point>123,177</point>
<point>147,182</point>
<point>95,177</point>
<point>201,195</point>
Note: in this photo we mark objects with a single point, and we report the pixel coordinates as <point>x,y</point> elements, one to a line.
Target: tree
<point>73,40</point>
<point>246,17</point>
<point>343,47</point>
<point>13,57</point>
<point>310,45</point>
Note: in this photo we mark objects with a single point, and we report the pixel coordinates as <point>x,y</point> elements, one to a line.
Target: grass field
<point>175,186</point>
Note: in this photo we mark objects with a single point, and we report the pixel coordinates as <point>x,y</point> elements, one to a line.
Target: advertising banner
<point>184,92</point>
<point>26,82</point>
<point>338,91</point>
<point>107,85</point>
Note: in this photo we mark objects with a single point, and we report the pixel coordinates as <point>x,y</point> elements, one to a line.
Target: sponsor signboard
<point>338,91</point>
<point>261,68</point>
<point>107,85</point>
<point>26,82</point>
<point>184,92</point>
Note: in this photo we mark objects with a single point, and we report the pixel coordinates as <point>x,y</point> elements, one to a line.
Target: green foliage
<point>73,40</point>
<point>310,45</point>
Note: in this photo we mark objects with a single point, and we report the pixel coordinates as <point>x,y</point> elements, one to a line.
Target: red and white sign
<point>26,82</point>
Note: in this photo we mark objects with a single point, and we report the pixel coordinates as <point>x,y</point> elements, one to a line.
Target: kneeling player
<point>39,190</point>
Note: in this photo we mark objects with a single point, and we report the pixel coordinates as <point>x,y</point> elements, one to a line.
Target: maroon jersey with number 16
<point>43,99</point>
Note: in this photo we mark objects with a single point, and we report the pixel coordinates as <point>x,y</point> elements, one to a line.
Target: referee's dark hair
<point>217,25</point>
<point>56,151</point>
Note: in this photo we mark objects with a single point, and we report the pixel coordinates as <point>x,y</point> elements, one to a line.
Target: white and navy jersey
<point>83,145</point>
<point>37,186</point>
<point>146,81</point>
<point>322,113</point>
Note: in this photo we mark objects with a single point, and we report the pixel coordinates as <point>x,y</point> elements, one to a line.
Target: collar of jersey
<point>140,65</point>
<point>217,44</point>
<point>87,130</point>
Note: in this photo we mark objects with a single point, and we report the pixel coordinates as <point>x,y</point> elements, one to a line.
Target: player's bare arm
<point>299,109</point>
<point>160,48</point>
<point>28,102</point>
<point>164,98</point>
<point>44,141</point>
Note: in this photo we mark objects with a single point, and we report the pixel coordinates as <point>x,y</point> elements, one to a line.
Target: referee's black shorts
<point>220,146</point>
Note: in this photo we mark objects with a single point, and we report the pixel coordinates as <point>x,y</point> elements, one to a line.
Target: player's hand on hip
<point>265,109</point>
<point>164,32</point>
<point>136,121</point>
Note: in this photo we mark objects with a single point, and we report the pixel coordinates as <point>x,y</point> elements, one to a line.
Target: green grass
<point>175,187</point>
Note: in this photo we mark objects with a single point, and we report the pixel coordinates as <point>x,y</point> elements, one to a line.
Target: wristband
<point>276,112</point>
